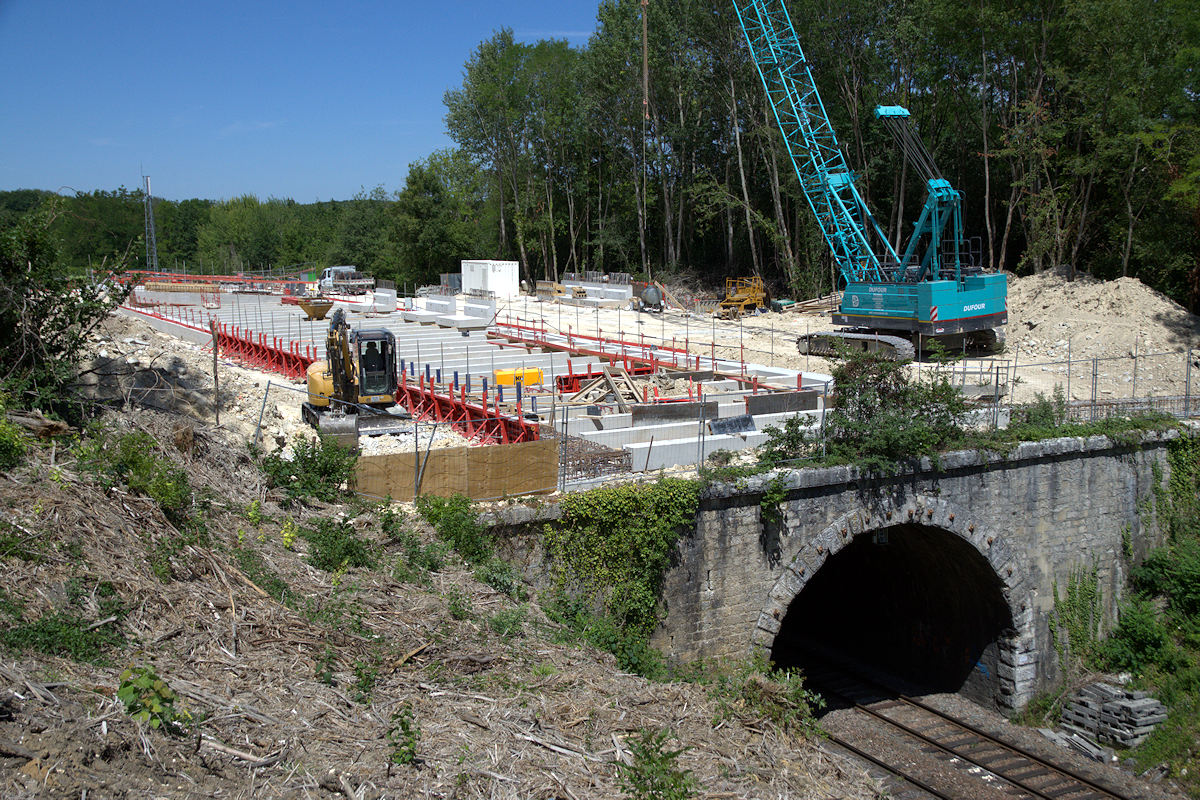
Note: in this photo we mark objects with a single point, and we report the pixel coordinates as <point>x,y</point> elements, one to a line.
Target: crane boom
<point>929,291</point>
<point>812,145</point>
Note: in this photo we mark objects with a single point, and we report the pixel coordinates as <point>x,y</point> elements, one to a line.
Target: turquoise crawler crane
<point>935,290</point>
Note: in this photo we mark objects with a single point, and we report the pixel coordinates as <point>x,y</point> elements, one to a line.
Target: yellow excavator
<point>353,391</point>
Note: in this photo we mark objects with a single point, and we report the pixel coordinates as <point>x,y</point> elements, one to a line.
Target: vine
<point>612,546</point>
<point>1075,621</point>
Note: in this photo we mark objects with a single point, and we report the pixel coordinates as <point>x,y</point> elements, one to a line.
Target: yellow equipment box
<point>530,376</point>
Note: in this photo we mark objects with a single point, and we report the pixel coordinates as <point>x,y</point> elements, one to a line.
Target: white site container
<point>502,278</point>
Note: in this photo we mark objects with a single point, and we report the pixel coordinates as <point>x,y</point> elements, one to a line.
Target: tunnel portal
<point>908,600</point>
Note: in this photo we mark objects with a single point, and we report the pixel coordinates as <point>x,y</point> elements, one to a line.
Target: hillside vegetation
<point>174,627</point>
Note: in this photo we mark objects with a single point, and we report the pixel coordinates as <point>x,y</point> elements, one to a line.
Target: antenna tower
<point>151,239</point>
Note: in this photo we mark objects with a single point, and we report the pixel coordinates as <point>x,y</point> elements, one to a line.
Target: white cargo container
<point>502,278</point>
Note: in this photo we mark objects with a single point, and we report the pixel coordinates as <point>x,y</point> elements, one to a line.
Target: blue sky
<point>308,100</point>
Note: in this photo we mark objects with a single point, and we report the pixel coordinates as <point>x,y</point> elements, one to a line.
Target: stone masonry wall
<point>1046,510</point>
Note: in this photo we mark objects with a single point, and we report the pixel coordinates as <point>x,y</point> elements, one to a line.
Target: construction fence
<point>480,473</point>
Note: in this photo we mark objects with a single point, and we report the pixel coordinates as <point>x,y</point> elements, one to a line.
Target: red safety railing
<point>265,352</point>
<point>480,420</point>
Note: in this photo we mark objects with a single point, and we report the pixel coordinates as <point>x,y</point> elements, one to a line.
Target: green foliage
<point>324,666</point>
<point>402,736</point>
<point>884,417</point>
<point>251,562</point>
<point>754,694</point>
<point>333,546</point>
<point>1139,640</point>
<point>46,312</point>
<point>149,699</point>
<point>319,468</point>
<point>795,440</point>
<point>15,543</point>
<point>134,459</point>
<point>614,544</point>
<point>508,623</point>
<point>654,772</point>
<point>65,632</point>
<point>366,675</point>
<point>631,648</point>
<point>459,604</point>
<point>1075,621</point>
<point>13,443</point>
<point>501,576</point>
<point>772,498</point>
<point>456,523</point>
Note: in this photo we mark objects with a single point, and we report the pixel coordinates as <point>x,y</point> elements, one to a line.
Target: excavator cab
<point>376,366</point>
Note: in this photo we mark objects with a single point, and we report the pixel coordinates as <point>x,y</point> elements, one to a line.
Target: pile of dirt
<point>296,679</point>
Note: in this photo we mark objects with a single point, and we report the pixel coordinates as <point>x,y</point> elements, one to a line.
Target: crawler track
<point>1006,766</point>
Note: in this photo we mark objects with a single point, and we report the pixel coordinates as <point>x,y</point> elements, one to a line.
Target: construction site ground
<point>296,699</point>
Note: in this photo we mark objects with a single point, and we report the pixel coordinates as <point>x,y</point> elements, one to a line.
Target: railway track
<point>1004,766</point>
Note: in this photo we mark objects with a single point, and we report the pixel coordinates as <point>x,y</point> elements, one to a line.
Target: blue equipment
<point>935,289</point>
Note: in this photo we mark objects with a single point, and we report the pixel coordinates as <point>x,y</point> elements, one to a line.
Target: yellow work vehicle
<point>742,296</point>
<point>353,390</point>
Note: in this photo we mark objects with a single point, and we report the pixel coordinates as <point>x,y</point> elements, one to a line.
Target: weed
<point>131,458</point>
<point>64,633</point>
<point>457,524</point>
<point>333,545</point>
<point>753,693</point>
<point>254,513</point>
<point>366,675</point>
<point>148,699</point>
<point>544,670</point>
<point>319,468</point>
<point>15,543</point>
<point>501,576</point>
<point>508,623</point>
<point>654,773</point>
<point>324,666</point>
<point>403,736</point>
<point>459,604</point>
<point>256,569</point>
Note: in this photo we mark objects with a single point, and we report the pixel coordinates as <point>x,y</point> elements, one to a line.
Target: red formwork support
<point>475,420</point>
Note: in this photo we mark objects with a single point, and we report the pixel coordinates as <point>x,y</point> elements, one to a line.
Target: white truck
<point>345,280</point>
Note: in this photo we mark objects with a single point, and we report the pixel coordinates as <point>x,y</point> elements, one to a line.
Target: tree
<point>46,312</point>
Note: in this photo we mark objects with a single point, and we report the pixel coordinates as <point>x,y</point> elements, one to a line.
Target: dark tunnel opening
<point>908,601</point>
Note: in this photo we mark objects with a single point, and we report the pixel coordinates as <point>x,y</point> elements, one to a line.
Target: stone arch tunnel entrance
<point>909,600</point>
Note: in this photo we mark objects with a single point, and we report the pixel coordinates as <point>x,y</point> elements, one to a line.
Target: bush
<point>1175,574</point>
<point>147,698</point>
<point>508,623</point>
<point>457,524</point>
<point>1140,639</point>
<point>884,418</point>
<point>319,468</point>
<point>131,458</point>
<point>754,694</point>
<point>333,545</point>
<point>501,576</point>
<point>654,773</point>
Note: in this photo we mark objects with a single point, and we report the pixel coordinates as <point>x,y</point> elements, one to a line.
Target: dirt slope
<point>297,699</point>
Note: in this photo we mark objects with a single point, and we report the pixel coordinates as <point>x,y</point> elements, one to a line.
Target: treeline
<point>1072,129</point>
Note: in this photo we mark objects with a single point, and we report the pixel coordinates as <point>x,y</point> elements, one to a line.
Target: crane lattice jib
<point>828,184</point>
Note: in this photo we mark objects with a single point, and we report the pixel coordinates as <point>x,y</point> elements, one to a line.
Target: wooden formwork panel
<point>477,472</point>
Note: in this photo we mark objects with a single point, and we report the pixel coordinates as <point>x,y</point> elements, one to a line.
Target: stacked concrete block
<point>1113,714</point>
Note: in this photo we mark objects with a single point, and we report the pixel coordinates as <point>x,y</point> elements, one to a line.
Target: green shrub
<point>403,736</point>
<point>319,468</point>
<point>459,604</point>
<point>333,545</point>
<point>132,459</point>
<point>508,623</point>
<point>1139,640</point>
<point>501,576</point>
<point>1174,573</point>
<point>12,443</point>
<point>148,699</point>
<point>654,773</point>
<point>456,523</point>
